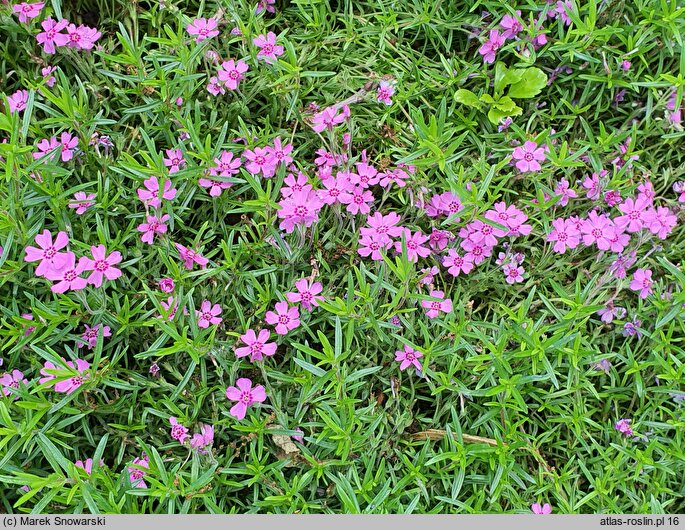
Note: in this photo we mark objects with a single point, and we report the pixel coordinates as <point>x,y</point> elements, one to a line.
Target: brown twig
<point>439,434</point>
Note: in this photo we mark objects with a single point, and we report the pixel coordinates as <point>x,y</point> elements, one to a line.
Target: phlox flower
<point>280,152</point>
<point>414,242</point>
<point>612,197</point>
<point>662,221</point>
<point>457,264</point>
<point>593,186</point>
<point>306,294</point>
<point>150,195</point>
<point>208,314</point>
<point>563,189</point>
<point>408,357</point>
<point>284,318</point>
<point>480,232</point>
<point>396,176</point>
<point>69,143</point>
<point>334,188</point>
<point>202,28</point>
<point>256,346</point>
<point>226,165</point>
<point>675,116</point>
<point>82,37</point>
<point>174,160</point>
<point>382,226</point>
<point>300,208</point>
<point>541,509</point>
<point>489,48</point>
<point>231,73</point>
<point>630,329</point>
<point>295,184</point>
<point>135,474</point>
<point>475,252</point>
<point>17,101</point>
<point>190,257</point>
<point>170,307</point>
<point>47,253</point>
<point>435,307</point>
<point>366,175</point>
<point>214,87</point>
<point>154,225</point>
<point>428,274</point>
<point>178,431</point>
<point>47,75</point>
<point>82,202</point>
<point>26,11</point>
<point>373,244</point>
<point>529,157</point>
<point>385,92</point>
<point>563,9</point>
<point>45,146</point>
<point>597,229</point>
<point>439,239</point>
<point>102,266</point>
<point>12,380</point>
<point>265,5</point>
<point>328,118</point>
<point>245,395</point>
<point>511,25</point>
<point>90,335</point>
<point>166,285</point>
<point>623,426</point>
<point>513,273</point>
<point>269,51</point>
<point>203,439</point>
<point>261,160</point>
<point>608,313</point>
<point>565,235</point>
<point>77,370</point>
<point>642,282</point>
<point>646,191</point>
<point>357,200</point>
<point>636,213</point>
<point>216,187</point>
<point>52,37</point>
<point>68,277</point>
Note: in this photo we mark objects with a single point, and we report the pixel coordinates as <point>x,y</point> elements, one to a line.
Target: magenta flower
<point>245,395</point>
<point>597,229</point>
<point>208,314</point>
<point>457,264</point>
<point>529,157</point>
<point>52,37</point>
<point>214,87</point>
<point>511,25</point>
<point>280,152</point>
<point>166,285</point>
<point>68,276</point>
<point>334,188</point>
<point>102,266</point>
<point>202,29</point>
<point>385,92</point>
<point>414,242</point>
<point>82,202</point>
<point>203,439</point>
<point>267,5</point>
<point>373,244</point>
<point>563,9</point>
<point>170,307</point>
<point>256,345</point>
<point>284,319</point>
<point>480,232</point>
<point>87,466</point>
<point>17,101</point>
<point>226,165</point>
<point>428,274</point>
<point>135,474</point>
<point>50,258</point>
<point>190,257</point>
<point>268,49</point>
<point>12,380</point>
<point>300,208</point>
<point>90,336</point>
<point>216,187</point>
<point>642,282</point>
<point>565,235</point>
<point>295,185</point>
<point>541,510</point>
<point>306,293</point>
<point>636,213</point>
<point>623,426</point>
<point>26,11</point>
<point>150,195</point>
<point>513,273</point>
<point>434,307</point>
<point>408,357</point>
<point>357,200</point>
<point>45,146</point>
<point>662,221</point>
<point>366,175</point>
<point>261,160</point>
<point>231,73</point>
<point>327,119</point>
<point>298,437</point>
<point>153,226</point>
<point>27,316</point>
<point>47,75</point>
<point>69,143</point>
<point>69,384</point>
<point>382,226</point>
<point>593,186</point>
<point>489,48</point>
<point>174,160</point>
<point>178,431</point>
<point>565,191</point>
<point>82,37</point>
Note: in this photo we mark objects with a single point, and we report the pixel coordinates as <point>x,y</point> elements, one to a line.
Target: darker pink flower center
<point>435,306</point>
<point>528,157</point>
<point>260,160</point>
<point>70,275</point>
<point>267,49</point>
<point>256,347</point>
<point>246,397</point>
<point>561,236</point>
<point>283,319</point>
<point>410,356</point>
<point>596,233</point>
<point>101,265</point>
<point>49,252</point>
<point>206,315</point>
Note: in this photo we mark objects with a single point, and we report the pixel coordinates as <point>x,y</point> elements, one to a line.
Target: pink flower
<point>90,336</point>
<point>87,466</point>
<point>382,226</point>
<point>662,221</point>
<point>597,229</point>
<point>189,257</point>
<point>226,165</point>
<point>261,160</point>
<point>170,307</point>
<point>245,395</point>
<point>646,191</point>
<point>256,346</point>
<point>102,266</point>
<point>284,319</point>
<point>17,101</point>
<point>150,195</point>
<point>439,239</point>
<point>593,186</point>
<point>178,431</point>
<point>513,273</point>
<point>214,87</point>
<point>489,48</point>
<point>135,475</point>
<point>385,92</point>
<point>565,191</point>
<point>357,200</point>
<point>565,235</point>
<point>12,380</point>
<point>414,243</point>
<point>428,274</point>
<point>612,197</point>
<point>174,161</point>
<point>327,119</point>
<point>51,36</point>
<point>300,208</point>
<point>441,304</point>
<point>511,25</point>
<point>68,277</point>
<point>45,146</point>
<point>82,202</point>
<point>69,143</point>
<point>397,175</point>
<point>457,264</point>
<point>408,357</point>
<point>268,50</point>
<point>166,285</point>
<point>529,157</point>
<point>334,188</point>
<point>69,384</point>
<point>29,329</point>
<point>27,11</point>
<point>50,258</point>
<point>295,185</point>
<point>281,153</point>
<point>475,252</point>
<point>306,293</point>
<point>623,426</point>
<point>208,314</point>
<point>541,510</point>
<point>203,439</point>
<point>366,175</point>
<point>373,244</point>
<point>480,232</point>
<point>298,437</point>
<point>202,28</point>
<point>82,37</point>
<point>231,73</point>
<point>267,5</point>
<point>153,226</point>
<point>563,8</point>
<point>642,282</point>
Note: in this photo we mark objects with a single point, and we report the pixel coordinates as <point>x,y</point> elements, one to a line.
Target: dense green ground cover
<point>522,386</point>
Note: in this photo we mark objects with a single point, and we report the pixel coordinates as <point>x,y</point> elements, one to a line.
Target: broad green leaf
<point>530,85</point>
<point>467,98</point>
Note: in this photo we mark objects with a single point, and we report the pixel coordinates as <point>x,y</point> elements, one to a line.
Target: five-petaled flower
<point>269,51</point>
<point>284,318</point>
<point>65,380</point>
<point>256,345</point>
<point>440,304</point>
<point>208,314</point>
<point>245,396</point>
<point>102,265</point>
<point>203,28</point>
<point>408,357</point>
<point>642,282</point>
<point>529,157</point>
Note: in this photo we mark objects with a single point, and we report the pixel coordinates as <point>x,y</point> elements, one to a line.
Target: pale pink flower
<point>82,37</point>
<point>245,395</point>
<point>154,225</point>
<point>189,257</point>
<point>295,184</point>
<point>18,100</point>
<point>284,319</point>
<point>280,152</point>
<point>327,119</point>
<point>170,307</point>
<point>269,51</point>
<point>178,431</point>
<point>385,92</point>
<point>231,73</point>
<point>12,380</point>
<point>489,48</point>
<point>150,195</point>
<point>208,314</point>
<point>268,5</point>
<point>662,221</point>
<point>174,160</point>
<point>50,258</point>
<point>203,439</point>
<point>513,273</point>
<point>440,304</point>
<point>357,200</point>
<point>202,28</point>
<point>511,25</point>
<point>529,157</point>
<point>69,384</point>
<point>69,143</point>
<point>214,87</point>
<point>102,266</point>
<point>642,282</point>
<point>307,293</point>
<point>82,202</point>
<point>256,345</point>
<point>408,357</point>
<point>373,244</point>
<point>26,11</point>
<point>52,37</point>
<point>563,189</point>
<point>300,208</point>
<point>541,510</point>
